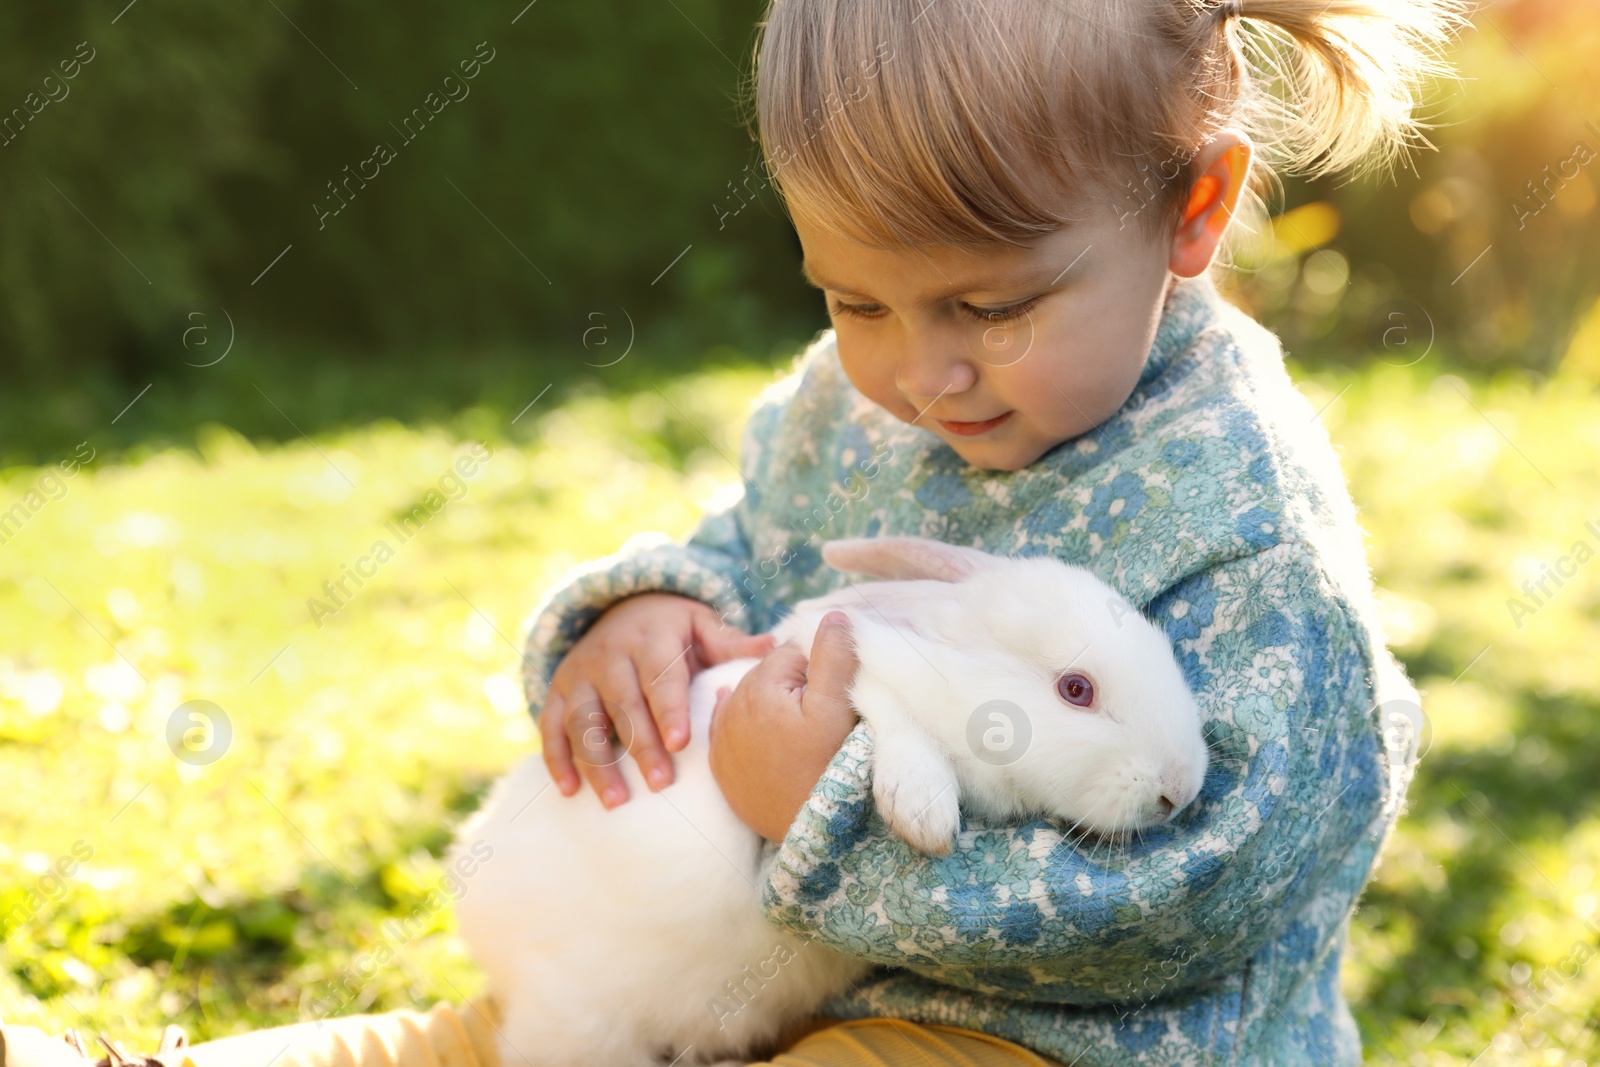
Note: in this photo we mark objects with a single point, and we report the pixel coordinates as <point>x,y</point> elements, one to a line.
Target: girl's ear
<point>904,558</point>
<point>1221,169</point>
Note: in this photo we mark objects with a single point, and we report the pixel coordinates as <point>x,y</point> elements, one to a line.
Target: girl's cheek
<point>887,397</point>
<point>1062,381</point>
<point>872,380</point>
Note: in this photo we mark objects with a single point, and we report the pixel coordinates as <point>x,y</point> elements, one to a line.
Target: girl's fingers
<point>636,726</point>
<point>831,670</point>
<point>664,672</point>
<point>557,751</point>
<point>719,642</point>
<point>783,669</point>
<point>588,730</point>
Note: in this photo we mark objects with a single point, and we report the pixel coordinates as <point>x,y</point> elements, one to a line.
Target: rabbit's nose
<point>1179,787</point>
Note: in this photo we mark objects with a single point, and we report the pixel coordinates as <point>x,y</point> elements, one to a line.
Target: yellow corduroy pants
<point>451,1036</point>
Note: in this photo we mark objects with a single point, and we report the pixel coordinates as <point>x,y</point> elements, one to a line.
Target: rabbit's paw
<point>916,792</point>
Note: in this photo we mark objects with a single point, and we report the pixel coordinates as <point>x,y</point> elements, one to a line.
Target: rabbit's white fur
<point>633,938</point>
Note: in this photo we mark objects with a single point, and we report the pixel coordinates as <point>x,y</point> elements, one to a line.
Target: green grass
<point>245,892</point>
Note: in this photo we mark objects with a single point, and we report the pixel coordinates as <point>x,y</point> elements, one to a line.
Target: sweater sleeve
<point>709,566</point>
<point>1283,676</point>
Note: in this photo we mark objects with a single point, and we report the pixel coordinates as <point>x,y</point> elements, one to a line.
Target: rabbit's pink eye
<point>1076,689</point>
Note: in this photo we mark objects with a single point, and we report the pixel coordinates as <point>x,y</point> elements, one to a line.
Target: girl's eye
<point>1075,688</point>
<point>860,311</point>
<point>988,316</point>
<point>1005,314</point>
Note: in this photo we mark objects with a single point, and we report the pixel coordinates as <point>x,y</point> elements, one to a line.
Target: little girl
<point>1012,207</point>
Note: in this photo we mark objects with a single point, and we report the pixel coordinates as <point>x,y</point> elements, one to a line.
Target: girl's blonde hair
<point>971,122</point>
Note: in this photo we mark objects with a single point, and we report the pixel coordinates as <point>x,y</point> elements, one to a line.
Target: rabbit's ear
<point>904,557</point>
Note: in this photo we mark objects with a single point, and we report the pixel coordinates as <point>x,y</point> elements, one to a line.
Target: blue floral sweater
<point>1213,500</point>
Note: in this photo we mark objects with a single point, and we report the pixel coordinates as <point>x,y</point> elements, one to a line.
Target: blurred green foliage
<point>199,141</point>
<point>1488,248</point>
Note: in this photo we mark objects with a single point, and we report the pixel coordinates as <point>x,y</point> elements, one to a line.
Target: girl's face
<point>1003,354</point>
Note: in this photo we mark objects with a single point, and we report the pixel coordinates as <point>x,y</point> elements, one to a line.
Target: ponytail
<point>1334,85</point>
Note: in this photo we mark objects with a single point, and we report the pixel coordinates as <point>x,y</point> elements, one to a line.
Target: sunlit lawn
<point>243,892</point>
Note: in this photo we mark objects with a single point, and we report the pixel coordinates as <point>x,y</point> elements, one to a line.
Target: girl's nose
<point>931,368</point>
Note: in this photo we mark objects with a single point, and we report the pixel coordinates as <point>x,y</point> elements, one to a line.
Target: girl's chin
<point>994,455</point>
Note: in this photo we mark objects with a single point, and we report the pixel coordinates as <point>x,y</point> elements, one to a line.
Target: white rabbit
<point>633,938</point>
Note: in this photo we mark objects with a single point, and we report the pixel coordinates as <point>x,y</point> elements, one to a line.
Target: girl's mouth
<point>970,429</point>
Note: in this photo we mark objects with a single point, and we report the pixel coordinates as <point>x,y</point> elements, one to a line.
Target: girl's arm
<point>1299,795</point>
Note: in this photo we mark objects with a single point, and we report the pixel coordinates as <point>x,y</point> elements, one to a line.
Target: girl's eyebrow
<point>1013,280</point>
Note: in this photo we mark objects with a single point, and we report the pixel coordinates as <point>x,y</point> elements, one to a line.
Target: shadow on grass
<point>1508,805</point>
<point>293,392</point>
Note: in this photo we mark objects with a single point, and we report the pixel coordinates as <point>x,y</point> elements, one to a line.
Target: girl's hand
<point>629,675</point>
<point>774,734</point>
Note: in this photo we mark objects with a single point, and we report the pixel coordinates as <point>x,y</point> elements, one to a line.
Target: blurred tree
<point>412,204</point>
<point>1490,248</point>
